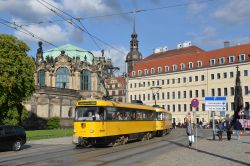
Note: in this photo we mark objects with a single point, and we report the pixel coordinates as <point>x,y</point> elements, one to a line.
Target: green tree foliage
<point>238,99</point>
<point>16,78</point>
<point>53,123</point>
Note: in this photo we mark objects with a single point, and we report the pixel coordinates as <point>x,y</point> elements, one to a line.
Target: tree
<point>16,78</point>
<point>238,99</point>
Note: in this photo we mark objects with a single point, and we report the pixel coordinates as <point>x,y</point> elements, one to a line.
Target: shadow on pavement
<point>212,154</point>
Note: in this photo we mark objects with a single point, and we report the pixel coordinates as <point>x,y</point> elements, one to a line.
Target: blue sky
<point>206,23</point>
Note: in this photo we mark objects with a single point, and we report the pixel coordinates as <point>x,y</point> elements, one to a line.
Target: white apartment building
<point>175,77</point>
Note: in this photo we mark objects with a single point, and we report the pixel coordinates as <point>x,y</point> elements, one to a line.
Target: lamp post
<point>154,91</point>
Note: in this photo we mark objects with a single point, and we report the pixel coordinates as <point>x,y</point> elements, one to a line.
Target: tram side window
<point>138,115</point>
<point>111,113</point>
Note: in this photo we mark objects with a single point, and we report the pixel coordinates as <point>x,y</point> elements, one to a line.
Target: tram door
<point>102,114</point>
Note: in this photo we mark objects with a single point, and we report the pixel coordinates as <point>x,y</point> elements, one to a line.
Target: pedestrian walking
<point>190,132</point>
<point>238,128</point>
<point>229,130</point>
<point>220,128</point>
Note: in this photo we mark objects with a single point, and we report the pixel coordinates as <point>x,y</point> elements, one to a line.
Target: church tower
<point>134,55</point>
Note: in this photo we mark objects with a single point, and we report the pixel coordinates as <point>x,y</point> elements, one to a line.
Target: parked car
<point>12,137</point>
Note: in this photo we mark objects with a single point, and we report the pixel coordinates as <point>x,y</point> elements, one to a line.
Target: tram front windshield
<point>88,114</point>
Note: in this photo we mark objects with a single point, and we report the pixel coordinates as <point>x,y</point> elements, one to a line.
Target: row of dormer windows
<point>212,62</point>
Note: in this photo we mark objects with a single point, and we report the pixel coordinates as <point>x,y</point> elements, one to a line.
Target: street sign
<point>195,103</point>
<point>216,103</point>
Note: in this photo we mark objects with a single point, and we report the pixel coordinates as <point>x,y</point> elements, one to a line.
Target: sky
<point>108,24</point>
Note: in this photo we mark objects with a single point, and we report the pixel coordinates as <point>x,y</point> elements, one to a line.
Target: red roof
<point>177,57</point>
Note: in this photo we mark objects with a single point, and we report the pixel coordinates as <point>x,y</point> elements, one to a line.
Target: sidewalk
<point>209,152</point>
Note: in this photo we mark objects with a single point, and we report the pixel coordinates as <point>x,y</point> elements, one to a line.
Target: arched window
<point>41,78</point>
<point>62,77</point>
<point>85,80</point>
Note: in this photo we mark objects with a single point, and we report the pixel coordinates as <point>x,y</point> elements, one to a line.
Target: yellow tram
<point>100,122</point>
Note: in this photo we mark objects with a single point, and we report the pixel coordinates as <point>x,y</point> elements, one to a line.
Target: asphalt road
<point>134,153</point>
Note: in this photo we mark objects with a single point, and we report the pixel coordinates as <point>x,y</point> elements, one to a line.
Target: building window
<point>158,82</point>
<point>135,97</point>
<point>174,67</point>
<point>222,60</point>
<point>139,73</point>
<point>62,77</point>
<point>242,57</point>
<point>184,94</point>
<point>190,65</point>
<point>86,80</point>
<point>152,71</point>
<point>190,79</point>
<point>168,95</point>
<point>246,90</point>
<point>231,59</point>
<point>168,81</point>
<point>190,94</point>
<point>245,72</point>
<point>133,73</point>
<point>41,78</point>
<point>196,78</point>
<point>148,97</point>
<point>178,80</point>
<point>159,70</point>
<point>212,62</point>
<point>213,92</point>
<point>153,83</point>
<point>191,107</point>
<point>203,107</point>
<point>185,107</point>
<point>145,71</point>
<point>212,76</point>
<point>162,82</point>
<point>231,74</point>
<point>224,75</point>
<point>203,93</point>
<point>162,96</point>
<point>199,64</point>
<point>196,93</point>
<point>131,85</point>
<point>232,106</point>
<point>166,68</point>
<point>225,91</point>
<point>179,94</point>
<point>144,97</point>
<point>232,91</point>
<point>173,108</point>
<point>168,107</point>
<point>148,83</point>
<point>179,108</point>
<point>202,77</point>
<point>173,95</point>
<point>182,66</point>
<point>219,91</point>
<point>184,79</point>
<point>173,81</point>
<point>218,75</point>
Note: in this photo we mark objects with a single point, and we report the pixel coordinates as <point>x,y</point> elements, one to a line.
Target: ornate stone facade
<point>63,76</point>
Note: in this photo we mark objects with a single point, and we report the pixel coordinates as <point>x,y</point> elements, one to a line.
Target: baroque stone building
<point>116,88</point>
<point>63,76</point>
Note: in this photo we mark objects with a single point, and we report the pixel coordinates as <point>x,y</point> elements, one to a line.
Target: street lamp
<point>154,91</point>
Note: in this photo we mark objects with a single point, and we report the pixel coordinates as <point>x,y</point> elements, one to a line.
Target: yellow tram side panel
<point>102,129</point>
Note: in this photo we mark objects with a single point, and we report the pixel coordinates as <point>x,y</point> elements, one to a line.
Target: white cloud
<point>28,10</point>
<point>207,37</point>
<point>91,7</point>
<point>196,6</point>
<point>118,57</point>
<point>233,12</point>
<point>54,34</point>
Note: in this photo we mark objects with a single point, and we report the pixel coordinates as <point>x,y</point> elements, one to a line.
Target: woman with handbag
<point>190,132</point>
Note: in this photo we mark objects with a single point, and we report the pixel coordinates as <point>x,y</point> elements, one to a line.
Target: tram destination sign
<point>216,103</point>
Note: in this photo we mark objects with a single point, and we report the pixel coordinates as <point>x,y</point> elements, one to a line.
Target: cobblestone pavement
<point>209,152</point>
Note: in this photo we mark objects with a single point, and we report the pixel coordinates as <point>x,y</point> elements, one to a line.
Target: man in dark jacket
<point>238,128</point>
